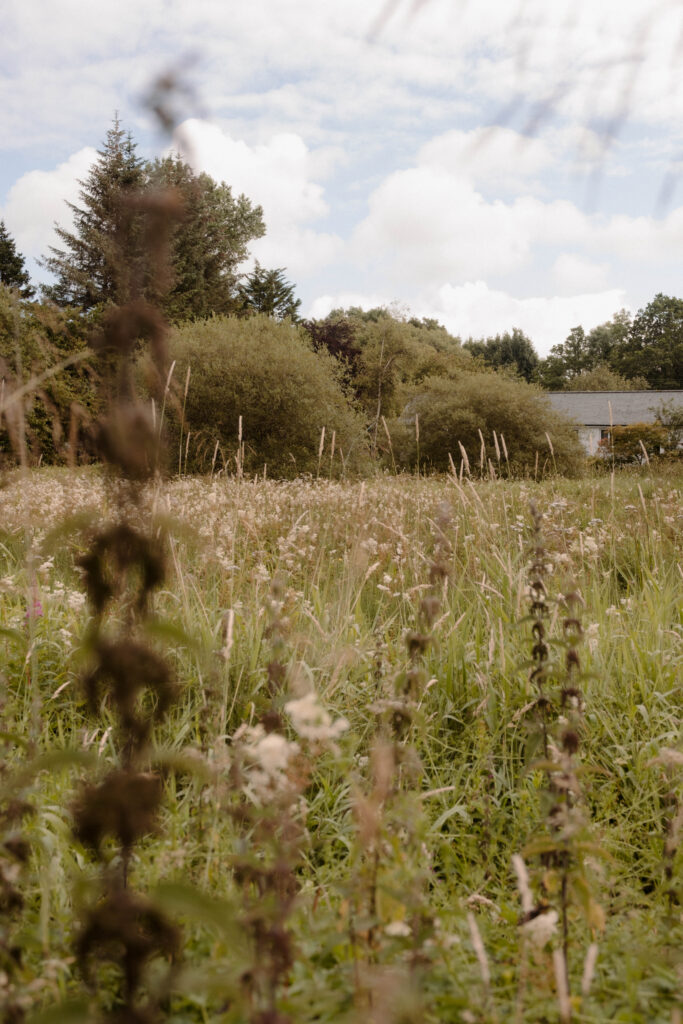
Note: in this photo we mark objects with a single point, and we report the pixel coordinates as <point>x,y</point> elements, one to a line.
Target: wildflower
<point>268,757</point>
<point>540,928</point>
<point>397,929</point>
<point>592,633</point>
<point>312,721</point>
<point>34,610</point>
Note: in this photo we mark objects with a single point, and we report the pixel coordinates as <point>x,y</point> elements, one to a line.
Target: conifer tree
<point>101,256</point>
<point>269,292</point>
<point>12,271</point>
<point>104,258</point>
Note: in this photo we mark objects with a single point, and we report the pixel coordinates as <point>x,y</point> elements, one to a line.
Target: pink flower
<point>35,610</point>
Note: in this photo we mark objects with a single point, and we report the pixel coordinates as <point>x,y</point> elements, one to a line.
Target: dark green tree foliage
<point>12,270</point>
<point>654,346</point>
<point>106,258</point>
<point>210,242</point>
<point>512,351</point>
<point>268,374</point>
<point>565,361</point>
<point>89,268</point>
<point>456,411</point>
<point>605,340</point>
<point>583,353</point>
<point>336,337</point>
<point>269,292</point>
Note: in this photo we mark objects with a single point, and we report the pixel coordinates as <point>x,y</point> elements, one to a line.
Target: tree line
<point>210,243</point>
<point>387,368</point>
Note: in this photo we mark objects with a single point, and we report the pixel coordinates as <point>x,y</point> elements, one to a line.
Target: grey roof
<point>592,408</point>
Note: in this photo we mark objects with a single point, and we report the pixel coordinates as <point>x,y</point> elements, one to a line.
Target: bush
<point>267,373</point>
<point>35,338</point>
<point>637,442</point>
<point>456,411</point>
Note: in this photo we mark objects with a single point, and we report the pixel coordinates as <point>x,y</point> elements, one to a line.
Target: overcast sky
<point>491,163</point>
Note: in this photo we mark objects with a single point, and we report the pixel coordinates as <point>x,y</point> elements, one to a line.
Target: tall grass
<point>355,563</point>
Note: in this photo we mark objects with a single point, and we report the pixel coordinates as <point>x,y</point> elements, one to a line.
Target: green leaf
<point>443,818</point>
<point>177,898</point>
<point>170,632</point>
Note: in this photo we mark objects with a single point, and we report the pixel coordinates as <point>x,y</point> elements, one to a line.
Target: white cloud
<point>426,224</point>
<point>324,304</point>
<point>489,156</point>
<point>573,274</point>
<point>38,199</point>
<point>477,310</point>
<point>279,175</point>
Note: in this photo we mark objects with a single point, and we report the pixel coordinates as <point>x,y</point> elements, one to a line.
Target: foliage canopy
<point>467,411</point>
<point>267,376</point>
<point>107,257</point>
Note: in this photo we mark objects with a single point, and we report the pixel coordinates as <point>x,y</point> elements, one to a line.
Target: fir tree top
<point>12,271</point>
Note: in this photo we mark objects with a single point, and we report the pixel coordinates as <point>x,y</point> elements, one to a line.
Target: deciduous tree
<point>512,350</point>
<point>654,346</point>
<point>209,243</point>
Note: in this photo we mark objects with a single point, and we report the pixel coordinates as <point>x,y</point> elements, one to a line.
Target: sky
<point>490,163</point>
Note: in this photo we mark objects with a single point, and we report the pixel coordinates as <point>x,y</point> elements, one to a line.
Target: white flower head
<point>312,721</point>
<point>397,929</point>
<point>540,929</point>
<point>267,759</point>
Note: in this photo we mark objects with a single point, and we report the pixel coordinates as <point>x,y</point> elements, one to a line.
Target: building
<point>597,411</point>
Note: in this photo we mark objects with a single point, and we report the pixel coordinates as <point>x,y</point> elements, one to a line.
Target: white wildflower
<point>592,633</point>
<point>540,929</point>
<point>397,929</point>
<point>312,721</point>
<point>267,757</point>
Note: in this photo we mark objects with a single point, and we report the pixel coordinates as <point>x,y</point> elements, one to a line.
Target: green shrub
<point>267,374</point>
<point>637,442</point>
<point>35,339</point>
<point>452,411</point>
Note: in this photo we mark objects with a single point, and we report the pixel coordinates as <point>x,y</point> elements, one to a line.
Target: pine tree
<point>269,292</point>
<point>12,271</point>
<point>101,258</point>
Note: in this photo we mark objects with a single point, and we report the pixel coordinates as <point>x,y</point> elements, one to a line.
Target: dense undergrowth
<point>350,857</point>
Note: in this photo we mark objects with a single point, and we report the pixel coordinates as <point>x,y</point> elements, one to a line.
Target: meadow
<point>423,760</point>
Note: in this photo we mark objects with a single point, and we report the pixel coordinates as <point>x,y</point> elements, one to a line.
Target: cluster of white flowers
<point>541,928</point>
<point>312,721</point>
<point>267,758</point>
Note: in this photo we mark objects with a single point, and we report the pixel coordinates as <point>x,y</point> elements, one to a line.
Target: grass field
<point>353,858</point>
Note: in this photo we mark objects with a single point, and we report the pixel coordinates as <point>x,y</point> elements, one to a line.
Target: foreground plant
<point>564,881</point>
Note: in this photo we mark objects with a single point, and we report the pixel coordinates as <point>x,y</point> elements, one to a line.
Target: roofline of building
<point>659,391</point>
